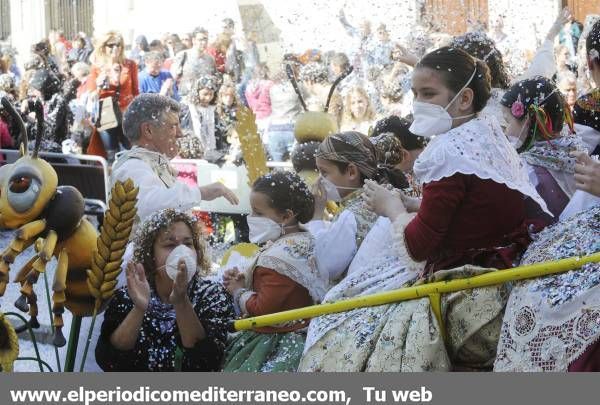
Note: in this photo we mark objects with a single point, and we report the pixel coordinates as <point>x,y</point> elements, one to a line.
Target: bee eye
<point>22,192</point>
<point>20,184</point>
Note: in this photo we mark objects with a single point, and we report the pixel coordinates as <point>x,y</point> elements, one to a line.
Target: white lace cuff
<point>399,241</point>
<point>241,297</point>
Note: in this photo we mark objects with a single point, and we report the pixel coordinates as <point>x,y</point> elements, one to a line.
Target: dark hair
<point>199,30</point>
<point>455,66</point>
<point>400,128</point>
<point>41,48</point>
<point>592,43</point>
<point>46,82</point>
<point>385,175</point>
<point>70,88</point>
<point>155,44</point>
<point>142,42</point>
<point>344,148</point>
<point>287,191</point>
<point>153,56</point>
<point>480,46</point>
<point>303,156</point>
<point>536,91</point>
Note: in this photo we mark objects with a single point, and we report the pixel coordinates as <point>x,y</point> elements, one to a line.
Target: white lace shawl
<point>477,147</point>
<point>293,256</point>
<point>381,264</point>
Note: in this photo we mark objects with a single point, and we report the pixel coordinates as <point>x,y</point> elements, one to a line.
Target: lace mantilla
<point>555,154</point>
<point>477,147</point>
<point>551,321</point>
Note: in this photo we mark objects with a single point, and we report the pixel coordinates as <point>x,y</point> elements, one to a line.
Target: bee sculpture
<point>51,218</point>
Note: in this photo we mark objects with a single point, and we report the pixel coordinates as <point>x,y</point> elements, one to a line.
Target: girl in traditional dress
<point>168,318</point>
<point>469,170</point>
<point>283,276</point>
<point>535,112</point>
<point>345,161</point>
<point>551,323</point>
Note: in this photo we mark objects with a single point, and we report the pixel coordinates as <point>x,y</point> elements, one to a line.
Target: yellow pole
<point>404,294</point>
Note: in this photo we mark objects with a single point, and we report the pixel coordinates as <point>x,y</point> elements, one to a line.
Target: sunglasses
<point>112,45</point>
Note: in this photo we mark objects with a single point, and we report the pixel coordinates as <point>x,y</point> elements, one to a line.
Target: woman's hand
<point>115,74</point>
<point>405,56</point>
<point>587,173</point>
<point>383,201</point>
<point>412,204</point>
<point>137,285</point>
<point>179,293</point>
<point>101,78</point>
<point>563,17</point>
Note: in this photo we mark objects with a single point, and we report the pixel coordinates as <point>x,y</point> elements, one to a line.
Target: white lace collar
<point>477,147</point>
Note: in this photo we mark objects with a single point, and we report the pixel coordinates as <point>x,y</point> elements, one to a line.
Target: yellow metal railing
<point>431,290</point>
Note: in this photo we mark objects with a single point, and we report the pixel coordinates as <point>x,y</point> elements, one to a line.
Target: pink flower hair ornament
<point>517,108</point>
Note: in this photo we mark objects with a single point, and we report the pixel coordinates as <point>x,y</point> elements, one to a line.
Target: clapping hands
<point>233,280</point>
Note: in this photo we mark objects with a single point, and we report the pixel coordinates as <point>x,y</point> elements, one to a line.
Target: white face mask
<point>188,255</point>
<point>264,229</point>
<point>332,192</point>
<point>432,119</point>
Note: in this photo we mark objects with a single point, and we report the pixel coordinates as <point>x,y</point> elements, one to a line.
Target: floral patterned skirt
<point>407,336</point>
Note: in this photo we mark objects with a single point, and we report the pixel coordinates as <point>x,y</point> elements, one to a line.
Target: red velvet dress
<point>466,220</point>
<point>275,292</point>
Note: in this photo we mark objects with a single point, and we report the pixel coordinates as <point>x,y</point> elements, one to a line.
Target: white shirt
<point>154,194</point>
<point>335,243</point>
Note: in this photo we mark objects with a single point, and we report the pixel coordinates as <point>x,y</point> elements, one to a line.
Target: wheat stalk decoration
<point>9,344</point>
<point>251,145</point>
<point>110,247</point>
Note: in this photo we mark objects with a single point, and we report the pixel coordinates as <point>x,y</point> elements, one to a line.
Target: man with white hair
<point>151,123</point>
